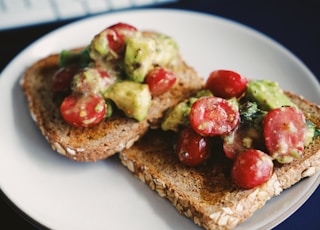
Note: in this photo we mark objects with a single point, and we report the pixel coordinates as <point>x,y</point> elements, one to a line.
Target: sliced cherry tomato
<point>116,35</point>
<point>160,80</point>
<point>116,42</point>
<point>251,168</point>
<point>285,133</point>
<point>123,29</point>
<point>61,80</point>
<point>211,116</point>
<point>242,138</point>
<point>226,83</point>
<point>192,148</point>
<point>83,110</point>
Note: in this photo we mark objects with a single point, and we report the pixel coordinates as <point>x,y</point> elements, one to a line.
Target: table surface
<point>295,24</point>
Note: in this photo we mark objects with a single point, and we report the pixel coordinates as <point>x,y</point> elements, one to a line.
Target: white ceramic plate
<point>62,194</point>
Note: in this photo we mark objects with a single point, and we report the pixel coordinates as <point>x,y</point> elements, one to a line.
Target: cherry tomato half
<point>116,35</point>
<point>285,133</point>
<point>160,80</point>
<point>62,78</point>
<point>83,110</point>
<point>123,29</point>
<point>210,116</point>
<point>192,148</point>
<point>226,83</point>
<point>251,168</point>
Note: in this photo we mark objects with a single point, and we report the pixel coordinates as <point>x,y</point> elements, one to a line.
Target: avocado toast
<point>113,133</point>
<point>206,194</point>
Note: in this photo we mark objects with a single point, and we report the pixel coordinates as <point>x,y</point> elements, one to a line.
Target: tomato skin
<point>211,116</point>
<point>284,133</point>
<point>226,83</point>
<point>62,78</point>
<point>160,80</point>
<point>251,168</point>
<point>192,149</point>
<point>83,110</point>
<point>123,29</point>
<point>116,35</point>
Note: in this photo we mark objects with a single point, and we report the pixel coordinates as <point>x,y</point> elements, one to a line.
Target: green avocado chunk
<point>267,94</point>
<point>144,51</point>
<point>100,44</point>
<point>139,56</point>
<point>166,49</point>
<point>133,98</point>
<point>178,115</point>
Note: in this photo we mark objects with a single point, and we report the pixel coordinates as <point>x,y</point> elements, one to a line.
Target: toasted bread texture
<point>206,194</point>
<point>108,137</point>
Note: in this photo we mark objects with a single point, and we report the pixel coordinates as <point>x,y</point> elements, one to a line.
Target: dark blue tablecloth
<point>295,24</point>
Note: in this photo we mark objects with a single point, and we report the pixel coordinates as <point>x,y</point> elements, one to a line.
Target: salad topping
<point>121,69</point>
<point>254,120</point>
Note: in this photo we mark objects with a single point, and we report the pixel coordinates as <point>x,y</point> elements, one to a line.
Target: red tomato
<point>285,132</point>
<point>123,29</point>
<point>83,110</point>
<point>251,168</point>
<point>160,80</point>
<point>116,42</point>
<point>62,79</point>
<point>116,35</point>
<point>192,148</point>
<point>210,116</point>
<point>226,83</point>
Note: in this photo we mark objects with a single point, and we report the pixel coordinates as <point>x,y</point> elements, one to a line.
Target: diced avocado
<point>166,49</point>
<point>178,115</point>
<point>309,135</point>
<point>139,56</point>
<point>203,93</point>
<point>99,45</point>
<point>233,102</point>
<point>288,159</point>
<point>143,51</point>
<point>133,98</point>
<point>267,94</point>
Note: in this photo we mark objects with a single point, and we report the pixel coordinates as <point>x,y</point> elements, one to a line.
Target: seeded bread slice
<point>108,137</point>
<point>206,194</point>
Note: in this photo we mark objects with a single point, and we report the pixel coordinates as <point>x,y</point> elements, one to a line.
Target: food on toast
<point>220,177</point>
<point>93,102</point>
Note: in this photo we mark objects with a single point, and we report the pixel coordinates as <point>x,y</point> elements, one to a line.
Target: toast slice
<point>206,194</point>
<point>108,137</point>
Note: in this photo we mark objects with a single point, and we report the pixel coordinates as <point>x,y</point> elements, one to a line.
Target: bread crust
<point>206,194</point>
<point>108,137</point>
